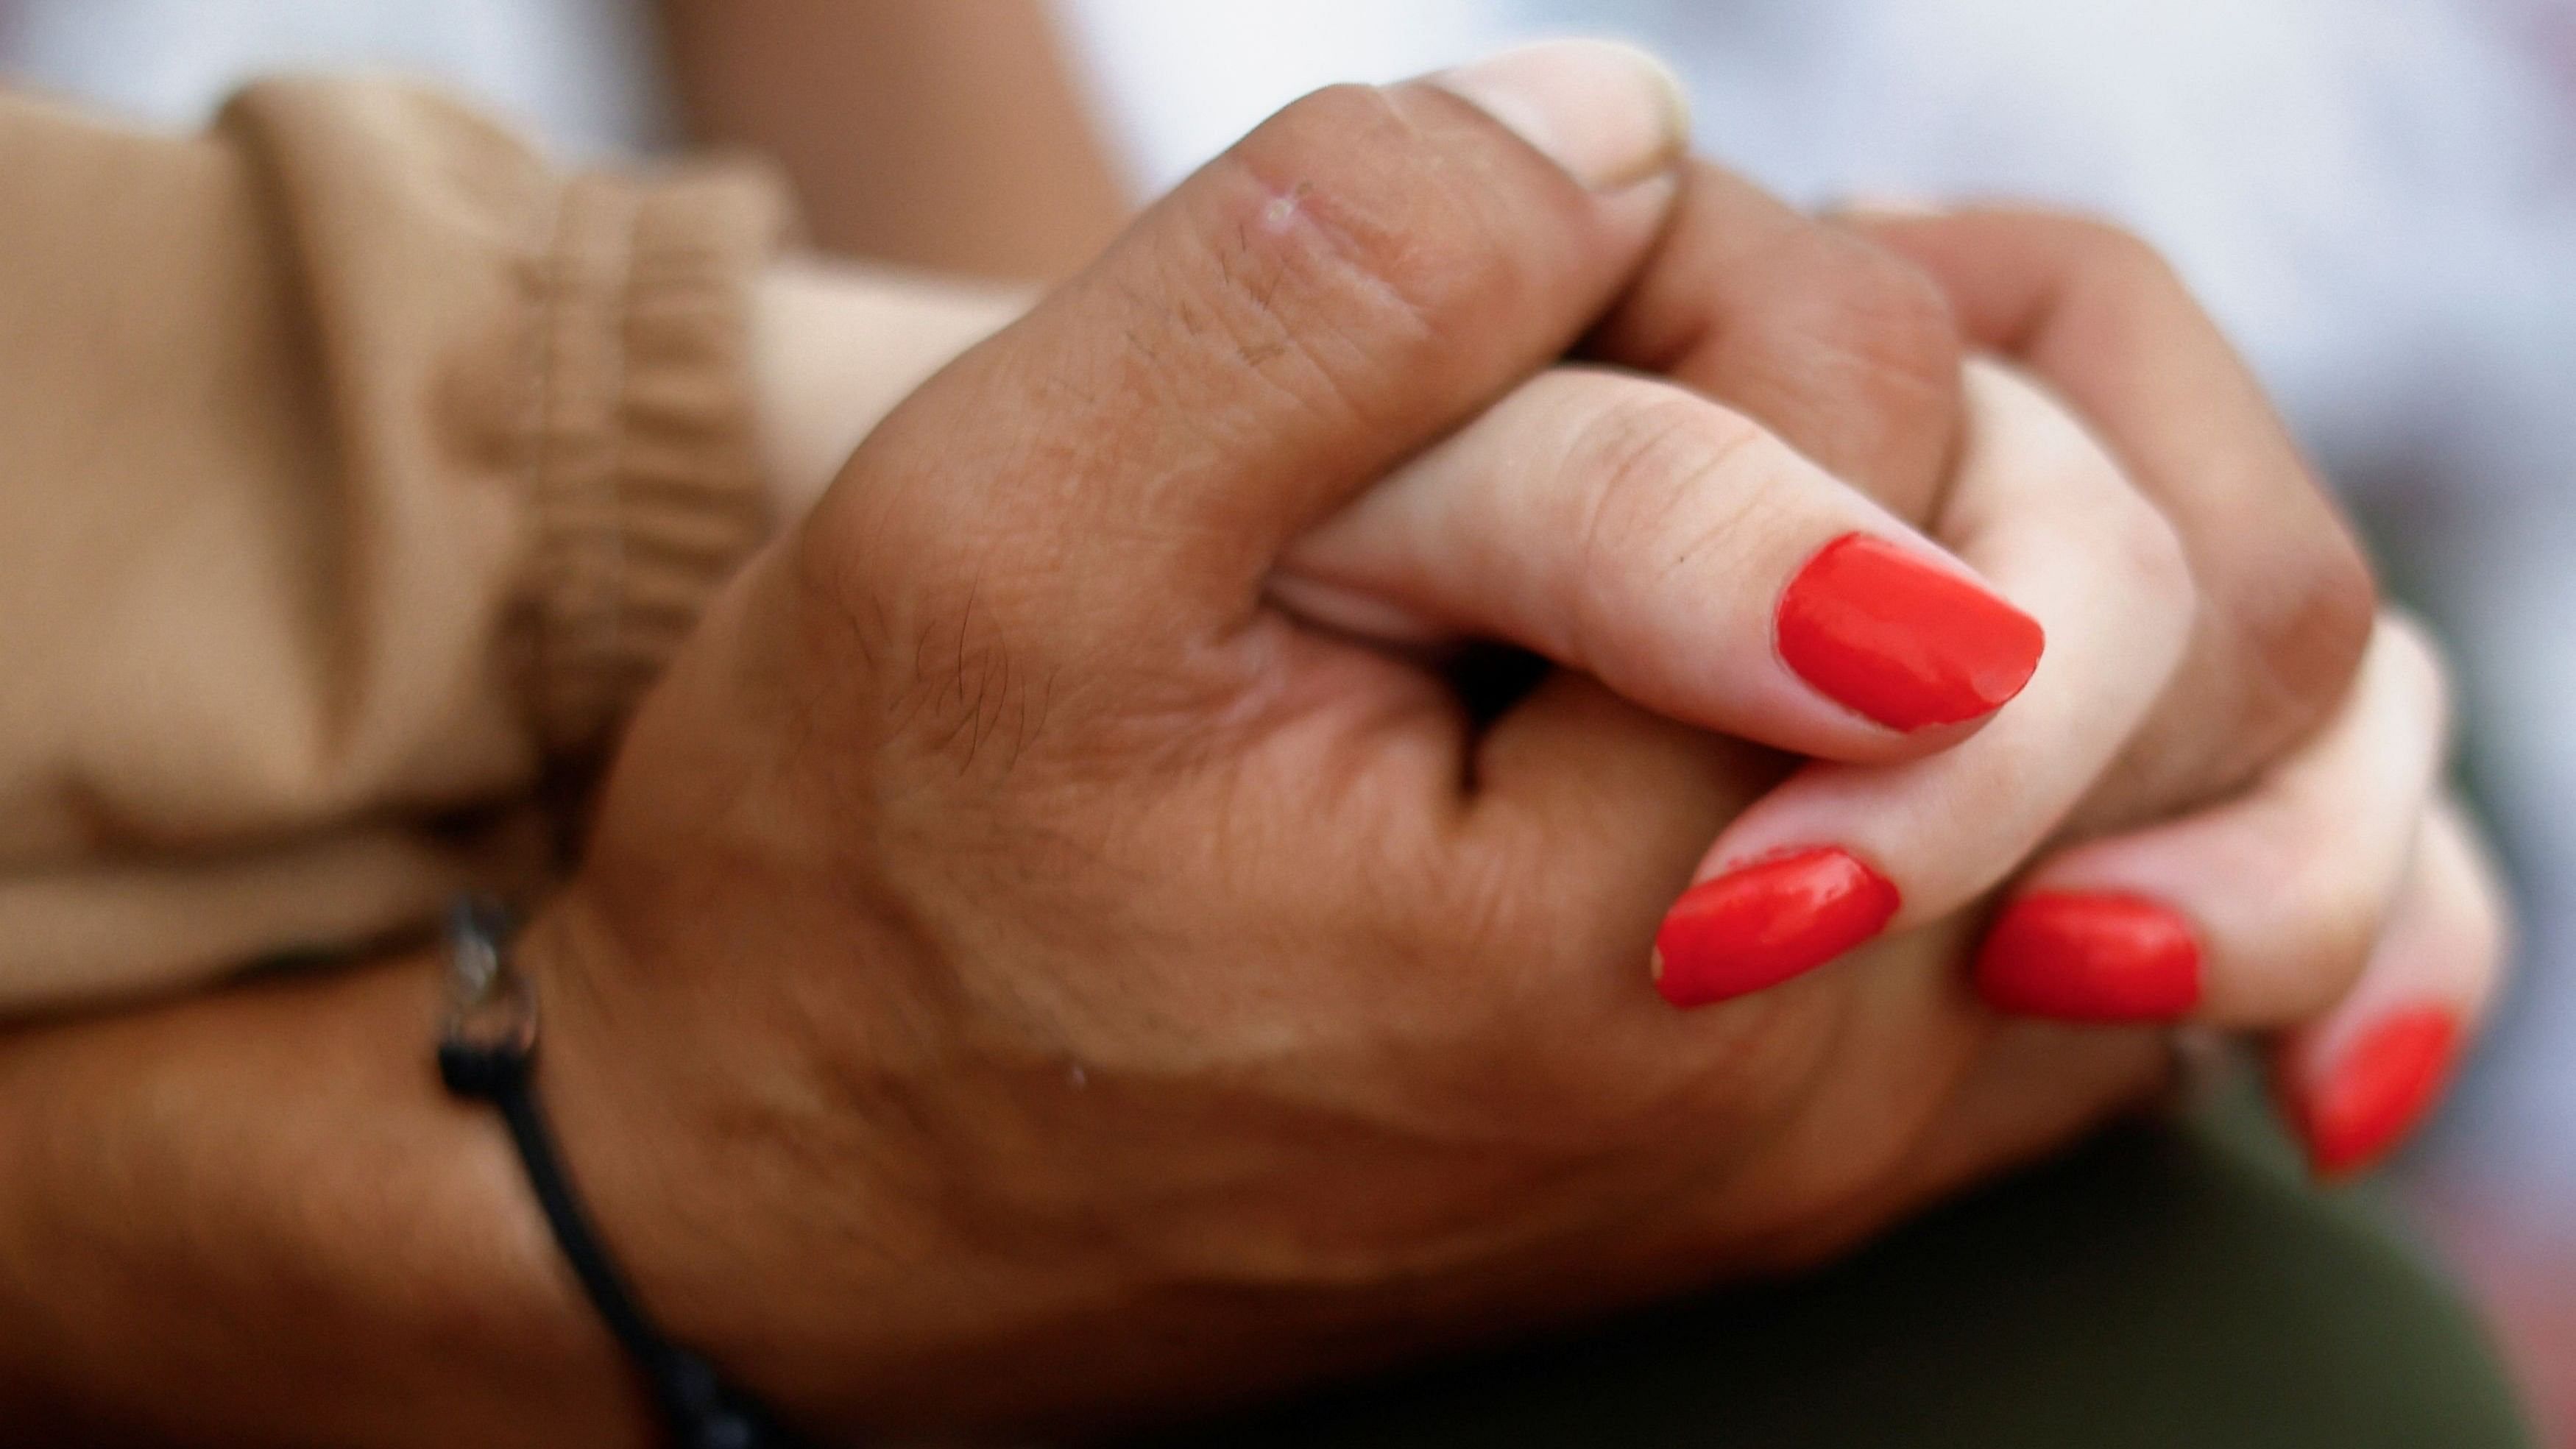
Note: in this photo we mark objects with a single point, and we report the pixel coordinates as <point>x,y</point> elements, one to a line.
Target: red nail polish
<point>1764,923</point>
<point>2381,1086</point>
<point>2090,956</point>
<point>1883,631</point>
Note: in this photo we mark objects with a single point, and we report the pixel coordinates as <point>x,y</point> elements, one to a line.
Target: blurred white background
<point>2377,197</point>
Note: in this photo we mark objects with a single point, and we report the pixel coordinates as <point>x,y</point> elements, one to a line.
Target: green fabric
<point>2161,1286</point>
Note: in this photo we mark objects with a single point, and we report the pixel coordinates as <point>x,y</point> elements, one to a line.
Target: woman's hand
<point>2334,896</point>
<point>2340,901</point>
<point>1848,349</point>
<point>1703,569</point>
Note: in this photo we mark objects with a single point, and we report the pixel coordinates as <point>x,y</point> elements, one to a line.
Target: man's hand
<point>1021,976</point>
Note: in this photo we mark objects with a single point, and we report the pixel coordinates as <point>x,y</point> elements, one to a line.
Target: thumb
<point>1359,275</point>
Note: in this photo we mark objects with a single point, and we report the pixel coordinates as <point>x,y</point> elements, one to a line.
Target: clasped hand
<point>1055,947</point>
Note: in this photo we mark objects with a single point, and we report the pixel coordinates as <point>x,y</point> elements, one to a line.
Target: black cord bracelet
<point>487,1051</point>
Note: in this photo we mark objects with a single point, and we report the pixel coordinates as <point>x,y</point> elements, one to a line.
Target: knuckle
<point>1640,456</point>
<point>2118,259</point>
<point>2300,607</point>
<point>1334,205</point>
<point>1646,496</point>
<point>2308,634</point>
<point>2337,592</point>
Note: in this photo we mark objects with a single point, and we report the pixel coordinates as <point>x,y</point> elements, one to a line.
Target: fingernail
<point>1610,114</point>
<point>2378,1089</point>
<point>1882,631</point>
<point>1761,924</point>
<point>2090,956</point>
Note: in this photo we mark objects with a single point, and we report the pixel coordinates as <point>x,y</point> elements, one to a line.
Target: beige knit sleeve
<point>357,470</point>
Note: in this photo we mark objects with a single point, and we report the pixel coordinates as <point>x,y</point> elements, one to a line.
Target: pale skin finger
<point>1686,557</point>
<point>2358,1080</point>
<point>2257,913</point>
<point>1842,852</point>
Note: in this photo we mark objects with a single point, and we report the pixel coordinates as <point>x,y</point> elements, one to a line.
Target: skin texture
<point>2100,316</point>
<point>1523,526</point>
<point>308,1244</point>
<point>2303,718</point>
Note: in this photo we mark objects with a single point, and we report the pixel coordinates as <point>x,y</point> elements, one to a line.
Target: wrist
<point>258,1210</point>
<point>666,1146</point>
<point>769,1214</point>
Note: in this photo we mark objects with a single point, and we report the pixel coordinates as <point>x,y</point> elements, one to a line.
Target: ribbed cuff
<point>646,478</point>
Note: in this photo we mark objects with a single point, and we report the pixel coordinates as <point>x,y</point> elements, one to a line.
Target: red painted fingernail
<point>2381,1086</point>
<point>2090,956</point>
<point>1879,629</point>
<point>1764,923</point>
